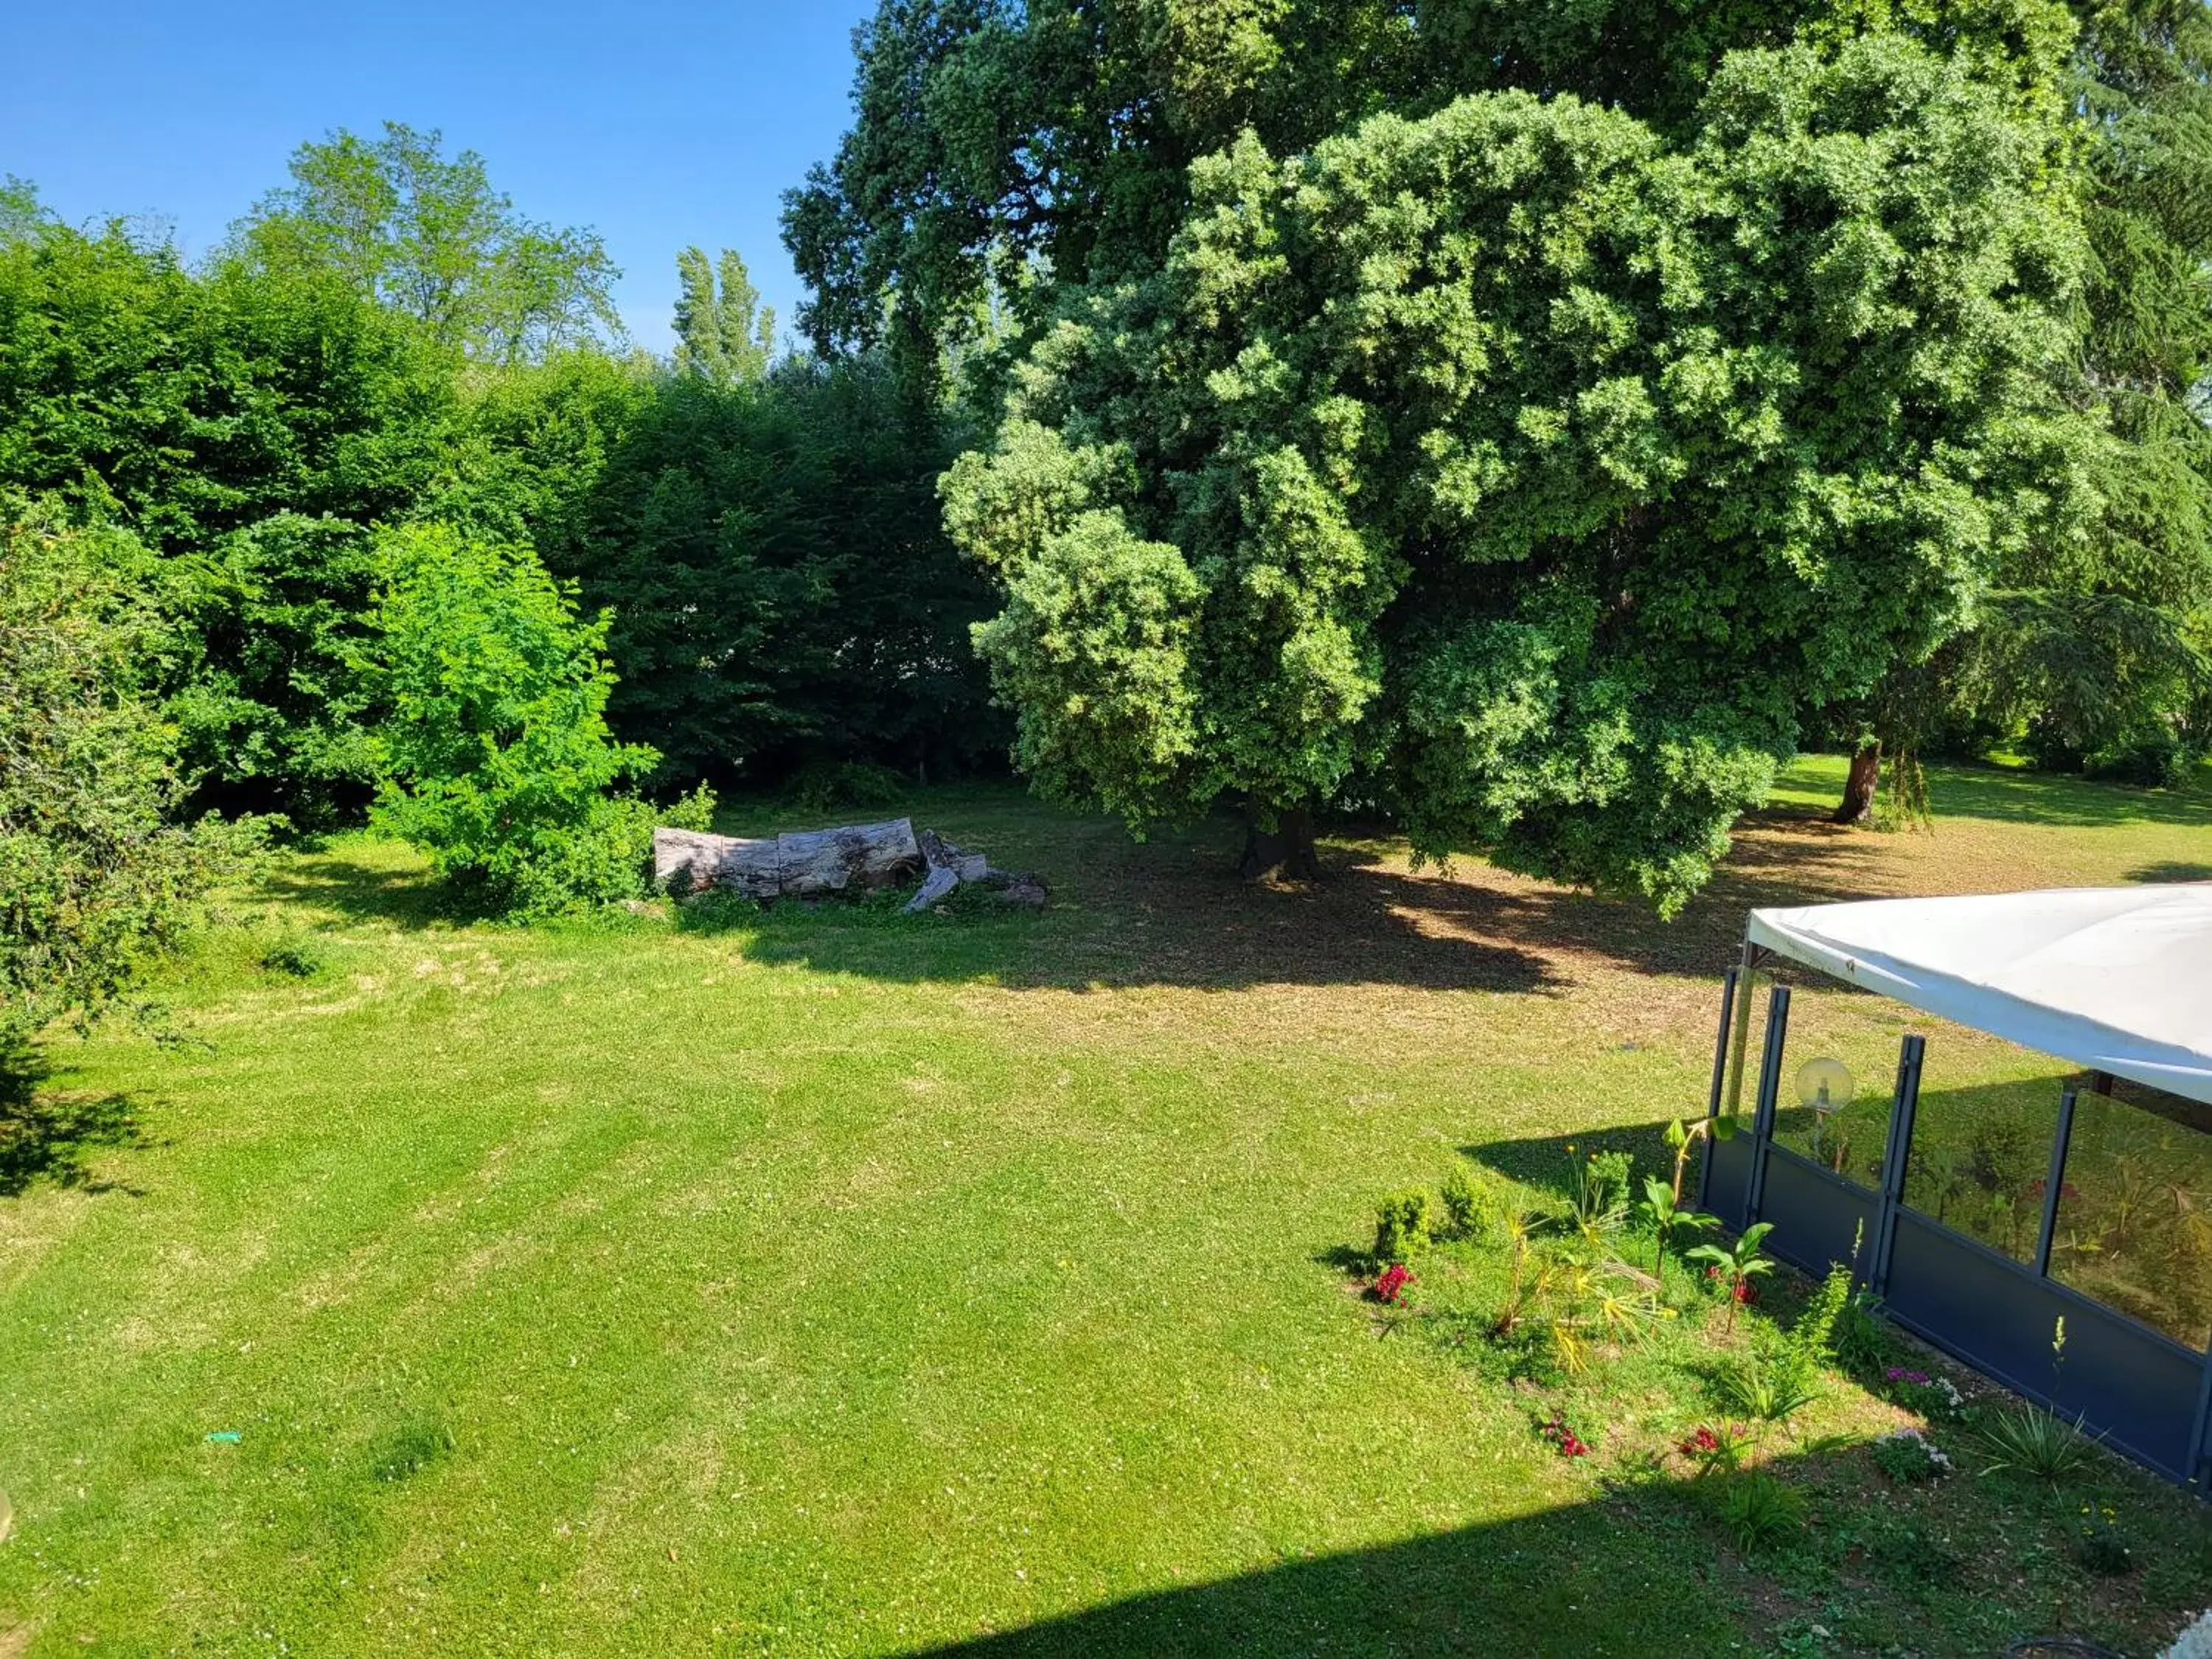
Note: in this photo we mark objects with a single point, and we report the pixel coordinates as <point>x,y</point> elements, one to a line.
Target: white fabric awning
<point>2116,979</point>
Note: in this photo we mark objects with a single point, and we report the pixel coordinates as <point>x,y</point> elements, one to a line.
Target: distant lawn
<point>824,1282</point>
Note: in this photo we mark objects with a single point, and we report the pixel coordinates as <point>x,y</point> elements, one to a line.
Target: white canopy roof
<point>2116,979</point>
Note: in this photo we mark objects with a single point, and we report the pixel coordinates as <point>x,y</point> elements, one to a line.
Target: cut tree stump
<point>807,863</point>
<point>949,868</point>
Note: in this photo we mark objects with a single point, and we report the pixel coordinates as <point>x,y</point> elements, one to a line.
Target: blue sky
<point>658,126</point>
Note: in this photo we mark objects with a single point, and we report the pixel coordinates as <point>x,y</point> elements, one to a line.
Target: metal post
<point>2200,1440</point>
<point>1719,1078</point>
<point>1770,1086</point>
<point>2053,1182</point>
<point>1897,1157</point>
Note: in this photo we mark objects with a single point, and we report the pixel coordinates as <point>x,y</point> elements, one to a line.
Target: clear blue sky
<point>658,126</point>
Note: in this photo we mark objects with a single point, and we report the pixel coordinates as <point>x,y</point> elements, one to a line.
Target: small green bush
<point>1462,1205</point>
<point>2100,1544</point>
<point>495,756</point>
<point>1401,1222</point>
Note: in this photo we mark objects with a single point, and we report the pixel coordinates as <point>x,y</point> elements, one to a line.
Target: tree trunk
<point>1286,851</point>
<point>801,866</point>
<point>1862,786</point>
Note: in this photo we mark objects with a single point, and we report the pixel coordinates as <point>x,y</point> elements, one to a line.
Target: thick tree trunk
<point>801,866</point>
<point>1286,851</point>
<point>1862,786</point>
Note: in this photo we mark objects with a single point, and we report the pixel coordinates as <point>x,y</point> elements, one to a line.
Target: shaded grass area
<point>828,1282</point>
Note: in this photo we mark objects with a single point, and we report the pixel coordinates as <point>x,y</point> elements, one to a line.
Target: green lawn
<point>826,1283</point>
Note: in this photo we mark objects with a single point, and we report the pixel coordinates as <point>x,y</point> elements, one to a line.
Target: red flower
<point>1744,1290</point>
<point>1569,1442</point>
<point>1391,1286</point>
<point>1702,1443</point>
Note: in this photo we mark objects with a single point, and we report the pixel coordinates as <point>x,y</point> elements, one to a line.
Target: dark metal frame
<point>2143,1392</point>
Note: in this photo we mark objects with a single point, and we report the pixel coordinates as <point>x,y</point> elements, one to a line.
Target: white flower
<point>2195,1642</point>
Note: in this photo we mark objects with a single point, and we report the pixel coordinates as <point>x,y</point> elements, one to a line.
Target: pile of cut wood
<point>850,859</point>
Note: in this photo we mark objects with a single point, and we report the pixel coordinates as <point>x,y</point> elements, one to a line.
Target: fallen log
<point>807,863</point>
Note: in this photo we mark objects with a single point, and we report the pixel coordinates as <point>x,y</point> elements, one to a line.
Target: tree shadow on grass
<point>1172,911</point>
<point>356,888</point>
<point>1634,1572</point>
<point>2013,796</point>
<point>2170,870</point>
<point>51,1135</point>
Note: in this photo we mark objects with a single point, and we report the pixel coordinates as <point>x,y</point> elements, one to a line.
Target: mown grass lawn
<point>820,1283</point>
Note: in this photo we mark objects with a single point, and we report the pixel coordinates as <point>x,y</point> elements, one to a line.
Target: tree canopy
<point>395,219</point>
<point>1531,468</point>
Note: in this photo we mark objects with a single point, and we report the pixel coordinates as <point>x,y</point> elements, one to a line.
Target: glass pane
<point>1838,1074</point>
<point>1981,1140</point>
<point>2134,1215</point>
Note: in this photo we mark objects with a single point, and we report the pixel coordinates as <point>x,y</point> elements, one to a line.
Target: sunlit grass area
<point>822,1281</point>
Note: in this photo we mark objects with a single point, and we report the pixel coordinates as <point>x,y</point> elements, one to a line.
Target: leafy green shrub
<point>1401,1221</point>
<point>1760,1512</point>
<point>1462,1205</point>
<point>95,879</point>
<point>495,758</point>
<point>1814,1333</point>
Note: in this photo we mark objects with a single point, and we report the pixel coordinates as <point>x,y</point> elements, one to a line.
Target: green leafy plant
<point>1737,1265</point>
<point>1758,1511</point>
<point>1910,1457</point>
<point>1771,1387</point>
<point>1462,1205</point>
<point>495,758</point>
<point>1864,1342</point>
<point>1666,1218</point>
<point>1598,1192</point>
<point>1401,1223</point>
<point>2100,1542</point>
<point>2033,1442</point>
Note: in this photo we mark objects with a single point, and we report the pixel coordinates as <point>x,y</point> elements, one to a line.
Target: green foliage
<point>96,879</point>
<point>1864,1342</point>
<point>398,222</point>
<point>1597,1192</point>
<point>1771,1384</point>
<point>1815,1334</point>
<point>1737,1264</point>
<point>1910,1458</point>
<point>1532,470</point>
<point>1760,1512</point>
<point>783,591</point>
<point>2033,1442</point>
<point>726,335</point>
<point>2100,1543</point>
<point>1462,1205</point>
<point>246,426</point>
<point>1401,1223</point>
<point>495,757</point>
